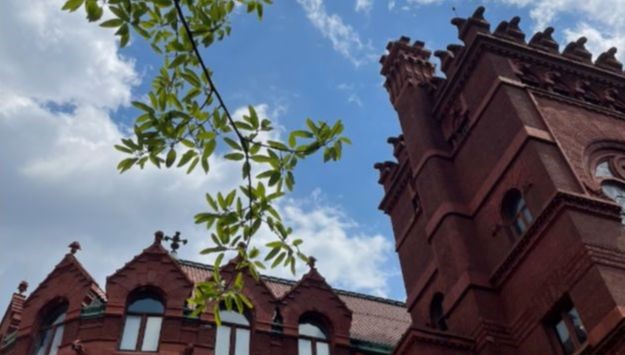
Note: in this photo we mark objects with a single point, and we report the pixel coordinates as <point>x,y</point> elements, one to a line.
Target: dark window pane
<point>527,215</point>
<point>580,331</point>
<point>147,304</point>
<point>44,340</point>
<point>564,337</point>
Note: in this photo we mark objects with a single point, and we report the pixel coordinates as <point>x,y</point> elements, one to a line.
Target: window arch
<point>515,213</point>
<point>50,332</point>
<point>437,314</point>
<point>142,324</point>
<point>313,337</point>
<point>608,173</point>
<point>233,335</point>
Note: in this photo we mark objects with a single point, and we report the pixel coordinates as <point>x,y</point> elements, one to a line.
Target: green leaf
<point>72,5</point>
<point>278,260</point>
<point>186,157</point>
<point>94,11</point>
<point>171,157</point>
<point>272,254</point>
<point>234,156</point>
<point>112,23</point>
<point>232,143</point>
<point>162,3</point>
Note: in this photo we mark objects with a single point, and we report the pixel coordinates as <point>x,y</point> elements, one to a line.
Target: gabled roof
<point>374,319</point>
<point>69,262</point>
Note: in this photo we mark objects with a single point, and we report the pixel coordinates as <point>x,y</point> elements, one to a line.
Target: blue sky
<point>64,101</point>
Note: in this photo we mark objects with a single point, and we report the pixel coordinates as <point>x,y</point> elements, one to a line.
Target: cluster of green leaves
<point>184,122</point>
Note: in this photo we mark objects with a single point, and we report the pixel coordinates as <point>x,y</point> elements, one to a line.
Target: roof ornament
<point>175,242</point>
<point>74,247</point>
<point>311,262</point>
<point>22,287</point>
<point>158,237</point>
<point>577,50</point>
<point>511,30</point>
<point>607,60</point>
<point>545,41</point>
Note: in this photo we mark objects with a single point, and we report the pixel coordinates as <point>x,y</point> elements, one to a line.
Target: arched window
<point>142,326</point>
<point>313,340</point>
<point>437,314</point>
<point>51,331</point>
<point>233,335</point>
<point>515,212</point>
<point>609,174</point>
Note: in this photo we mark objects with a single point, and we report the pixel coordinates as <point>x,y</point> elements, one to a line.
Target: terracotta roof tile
<point>374,319</point>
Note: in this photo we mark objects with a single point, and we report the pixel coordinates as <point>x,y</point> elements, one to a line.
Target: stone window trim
<point>602,155</point>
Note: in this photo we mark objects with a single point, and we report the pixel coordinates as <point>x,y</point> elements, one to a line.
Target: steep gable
<point>154,267</point>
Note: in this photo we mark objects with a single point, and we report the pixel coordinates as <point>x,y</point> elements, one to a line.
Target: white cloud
<point>364,6</point>
<point>343,250</point>
<point>53,56</point>
<point>344,38</point>
<point>352,96</point>
<point>543,12</point>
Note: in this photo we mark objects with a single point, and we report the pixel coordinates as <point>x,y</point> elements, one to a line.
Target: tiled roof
<point>374,319</point>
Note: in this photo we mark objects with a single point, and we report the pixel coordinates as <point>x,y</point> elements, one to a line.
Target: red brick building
<point>143,311</point>
<point>505,193</point>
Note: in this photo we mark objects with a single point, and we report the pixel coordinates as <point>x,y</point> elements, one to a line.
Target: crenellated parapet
<point>406,65</point>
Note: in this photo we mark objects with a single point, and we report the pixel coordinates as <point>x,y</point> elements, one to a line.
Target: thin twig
<point>242,140</point>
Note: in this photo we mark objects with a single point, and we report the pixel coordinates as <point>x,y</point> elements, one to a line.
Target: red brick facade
<point>500,193</point>
<point>355,324</point>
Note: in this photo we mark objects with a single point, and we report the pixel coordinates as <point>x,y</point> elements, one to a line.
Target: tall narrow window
<point>569,330</point>
<point>437,314</point>
<point>142,326</point>
<point>233,335</point>
<point>515,212</point>
<point>312,340</point>
<point>51,331</point>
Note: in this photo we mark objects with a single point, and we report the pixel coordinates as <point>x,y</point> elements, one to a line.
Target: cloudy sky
<point>65,90</point>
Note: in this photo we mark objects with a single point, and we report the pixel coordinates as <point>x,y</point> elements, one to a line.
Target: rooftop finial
<point>175,242</point>
<point>22,287</point>
<point>607,60</point>
<point>544,40</point>
<point>577,50</point>
<point>311,262</point>
<point>74,247</point>
<point>158,237</point>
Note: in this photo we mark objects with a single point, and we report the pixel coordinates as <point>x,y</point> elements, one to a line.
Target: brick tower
<point>506,193</point>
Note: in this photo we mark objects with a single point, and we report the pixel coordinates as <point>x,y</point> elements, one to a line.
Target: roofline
<point>293,282</point>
